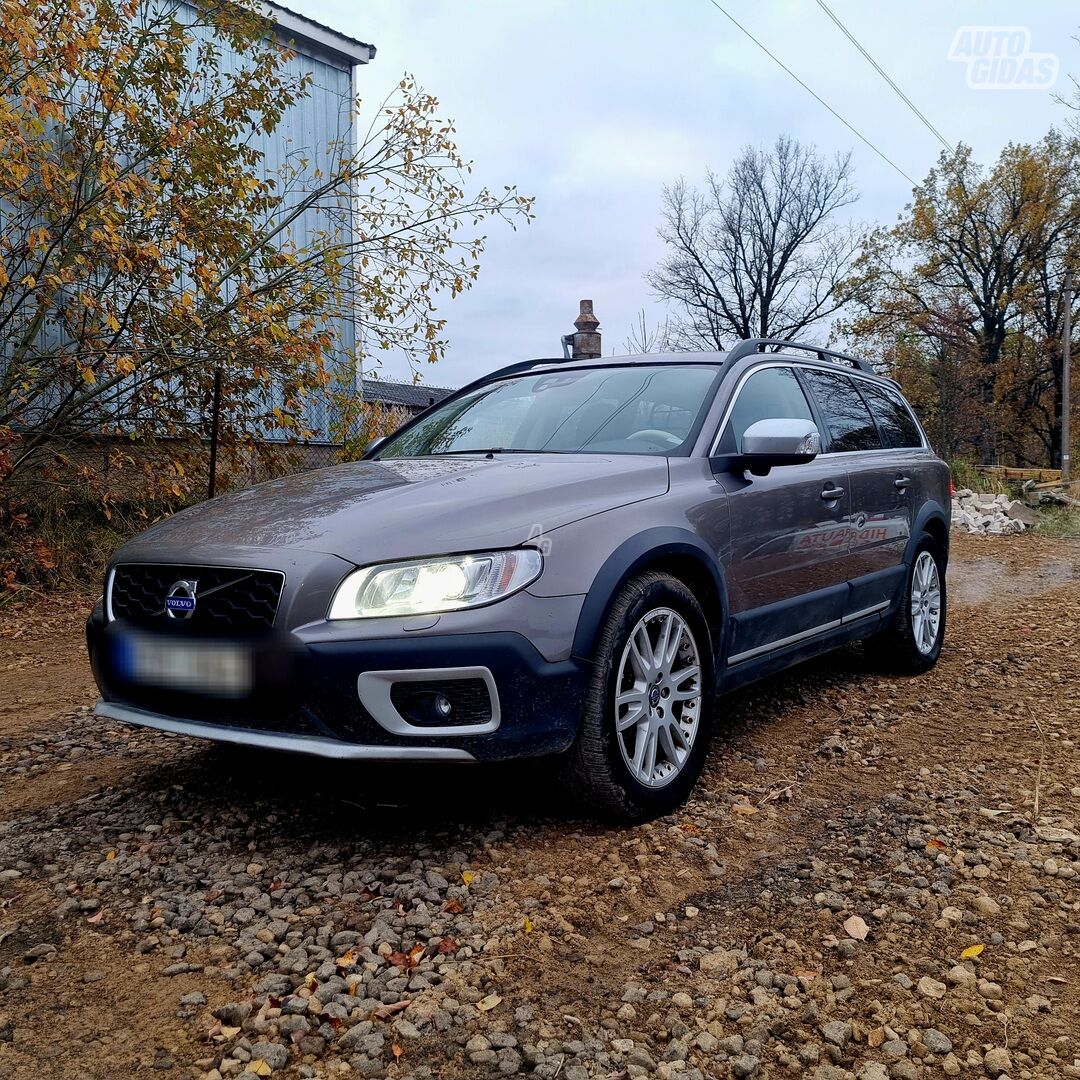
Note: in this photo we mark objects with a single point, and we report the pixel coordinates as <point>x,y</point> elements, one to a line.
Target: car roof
<point>632,358</point>
<point>863,372</point>
<point>721,359</point>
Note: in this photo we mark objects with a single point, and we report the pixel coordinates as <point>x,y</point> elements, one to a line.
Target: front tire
<point>647,717</point>
<point>913,643</point>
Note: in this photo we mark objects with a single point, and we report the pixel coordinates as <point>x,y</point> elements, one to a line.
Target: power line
<point>881,71</point>
<point>858,134</point>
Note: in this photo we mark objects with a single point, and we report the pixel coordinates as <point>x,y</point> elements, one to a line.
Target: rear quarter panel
<point>932,499</point>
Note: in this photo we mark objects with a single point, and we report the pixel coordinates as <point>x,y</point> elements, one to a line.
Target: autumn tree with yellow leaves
<point>961,299</point>
<point>143,245</point>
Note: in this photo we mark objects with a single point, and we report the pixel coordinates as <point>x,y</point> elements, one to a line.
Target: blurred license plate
<point>198,667</point>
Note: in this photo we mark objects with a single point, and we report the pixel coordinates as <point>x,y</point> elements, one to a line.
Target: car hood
<point>375,511</point>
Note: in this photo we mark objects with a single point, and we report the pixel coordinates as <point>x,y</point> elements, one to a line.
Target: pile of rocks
<point>978,512</point>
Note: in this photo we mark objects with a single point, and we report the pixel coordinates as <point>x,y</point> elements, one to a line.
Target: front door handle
<point>901,482</point>
<point>831,494</point>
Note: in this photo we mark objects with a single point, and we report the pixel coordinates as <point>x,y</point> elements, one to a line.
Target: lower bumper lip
<point>296,744</point>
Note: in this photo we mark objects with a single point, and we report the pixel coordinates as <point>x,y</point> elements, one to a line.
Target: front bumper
<point>316,692</point>
<point>266,740</point>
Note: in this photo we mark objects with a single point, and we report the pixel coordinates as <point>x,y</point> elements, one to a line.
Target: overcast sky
<point>593,106</point>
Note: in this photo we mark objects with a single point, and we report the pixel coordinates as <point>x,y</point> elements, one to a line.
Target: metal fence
<point>200,453</point>
<point>192,467</point>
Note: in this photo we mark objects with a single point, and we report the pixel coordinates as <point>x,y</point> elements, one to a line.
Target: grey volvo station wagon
<point>566,559</point>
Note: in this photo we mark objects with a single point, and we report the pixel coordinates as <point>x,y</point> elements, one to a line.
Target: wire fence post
<point>215,427</point>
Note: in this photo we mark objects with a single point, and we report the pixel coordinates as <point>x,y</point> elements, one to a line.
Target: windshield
<point>636,409</point>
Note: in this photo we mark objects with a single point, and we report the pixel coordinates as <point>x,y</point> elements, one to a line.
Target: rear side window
<point>851,427</point>
<point>898,427</point>
<point>768,394</point>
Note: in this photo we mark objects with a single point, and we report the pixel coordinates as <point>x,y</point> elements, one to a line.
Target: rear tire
<point>912,644</point>
<point>647,717</point>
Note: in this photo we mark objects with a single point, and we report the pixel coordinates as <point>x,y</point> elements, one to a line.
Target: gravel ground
<point>863,885</point>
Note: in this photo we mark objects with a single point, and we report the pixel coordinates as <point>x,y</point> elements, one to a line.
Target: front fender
<point>660,545</point>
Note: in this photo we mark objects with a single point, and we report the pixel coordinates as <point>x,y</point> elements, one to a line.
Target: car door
<point>906,450</point>
<point>880,503</point>
<point>787,575</point>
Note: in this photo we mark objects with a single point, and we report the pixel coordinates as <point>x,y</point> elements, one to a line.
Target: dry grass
<point>54,538</point>
<point>1036,809</point>
<point>1060,521</point>
<point>965,476</point>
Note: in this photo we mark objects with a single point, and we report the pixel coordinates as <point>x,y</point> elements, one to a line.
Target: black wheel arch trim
<point>639,553</point>
<point>930,512</point>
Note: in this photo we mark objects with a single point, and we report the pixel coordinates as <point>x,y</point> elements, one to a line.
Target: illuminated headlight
<point>431,586</point>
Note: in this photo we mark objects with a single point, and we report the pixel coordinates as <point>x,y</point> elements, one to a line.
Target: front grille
<point>228,600</point>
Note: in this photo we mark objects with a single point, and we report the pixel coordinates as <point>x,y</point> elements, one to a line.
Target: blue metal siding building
<point>322,119</point>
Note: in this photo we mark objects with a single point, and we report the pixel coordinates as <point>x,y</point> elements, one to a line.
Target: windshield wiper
<point>490,451</point>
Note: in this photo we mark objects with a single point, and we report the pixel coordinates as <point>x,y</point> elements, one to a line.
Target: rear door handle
<point>902,482</point>
<point>831,494</point>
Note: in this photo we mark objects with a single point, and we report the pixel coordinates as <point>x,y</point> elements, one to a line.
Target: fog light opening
<point>443,703</point>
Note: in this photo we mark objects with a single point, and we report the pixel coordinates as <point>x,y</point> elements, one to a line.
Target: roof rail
<point>750,346</point>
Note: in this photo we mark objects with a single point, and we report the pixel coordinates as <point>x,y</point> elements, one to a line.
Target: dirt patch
<point>981,579</point>
<point>717,942</point>
<point>42,662</point>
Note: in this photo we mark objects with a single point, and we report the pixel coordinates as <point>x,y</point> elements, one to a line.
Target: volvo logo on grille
<point>180,599</point>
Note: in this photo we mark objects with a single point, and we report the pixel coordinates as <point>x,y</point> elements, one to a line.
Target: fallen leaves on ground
<point>383,1012</point>
<point>855,927</point>
<point>409,960</point>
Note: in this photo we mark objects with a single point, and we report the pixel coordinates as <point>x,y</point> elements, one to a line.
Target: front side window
<point>898,427</point>
<point>850,425</point>
<point>635,409</point>
<point>771,393</point>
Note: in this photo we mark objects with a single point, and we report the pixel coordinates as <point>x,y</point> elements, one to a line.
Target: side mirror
<point>781,441</point>
<point>374,445</point>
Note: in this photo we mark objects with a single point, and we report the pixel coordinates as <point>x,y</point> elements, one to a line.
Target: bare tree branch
<point>759,253</point>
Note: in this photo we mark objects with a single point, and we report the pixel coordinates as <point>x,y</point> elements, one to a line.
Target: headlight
<point>430,586</point>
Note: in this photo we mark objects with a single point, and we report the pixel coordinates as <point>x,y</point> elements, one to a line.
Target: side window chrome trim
<point>730,407</point>
<point>878,450</point>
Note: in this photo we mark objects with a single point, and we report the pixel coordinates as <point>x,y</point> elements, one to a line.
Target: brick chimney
<point>584,344</point>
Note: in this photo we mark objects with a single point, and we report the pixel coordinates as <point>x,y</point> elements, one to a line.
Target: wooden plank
<point>1051,484</point>
<point>1005,472</point>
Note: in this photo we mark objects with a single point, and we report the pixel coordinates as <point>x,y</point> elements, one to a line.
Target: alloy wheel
<point>925,602</point>
<point>658,697</point>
